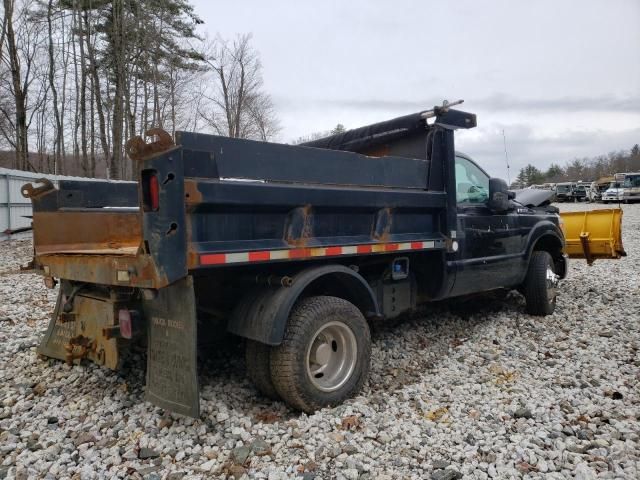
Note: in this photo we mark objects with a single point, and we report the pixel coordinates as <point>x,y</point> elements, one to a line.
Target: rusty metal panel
<point>102,268</point>
<point>172,376</point>
<point>69,231</point>
<point>78,334</point>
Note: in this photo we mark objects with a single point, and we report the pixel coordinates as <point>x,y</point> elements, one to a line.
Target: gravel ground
<point>476,390</point>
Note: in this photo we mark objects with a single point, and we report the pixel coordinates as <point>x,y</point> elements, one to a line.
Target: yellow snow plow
<point>593,234</point>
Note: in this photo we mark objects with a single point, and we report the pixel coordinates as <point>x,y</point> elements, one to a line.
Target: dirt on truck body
<point>294,248</point>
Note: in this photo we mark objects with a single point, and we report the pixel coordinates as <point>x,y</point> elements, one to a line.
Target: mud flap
<point>172,376</point>
<point>57,334</point>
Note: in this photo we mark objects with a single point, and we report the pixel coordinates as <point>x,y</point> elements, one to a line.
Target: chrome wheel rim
<point>331,356</point>
<point>552,284</point>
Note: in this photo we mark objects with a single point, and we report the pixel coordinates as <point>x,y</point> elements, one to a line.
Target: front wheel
<point>325,355</point>
<point>541,284</point>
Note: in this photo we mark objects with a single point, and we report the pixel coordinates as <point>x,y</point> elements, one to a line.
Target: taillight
<point>154,193</point>
<point>125,323</point>
<point>150,191</point>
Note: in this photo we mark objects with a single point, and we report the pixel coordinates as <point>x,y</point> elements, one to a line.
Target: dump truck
<point>294,248</point>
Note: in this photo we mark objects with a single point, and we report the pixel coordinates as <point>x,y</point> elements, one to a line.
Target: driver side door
<point>488,254</point>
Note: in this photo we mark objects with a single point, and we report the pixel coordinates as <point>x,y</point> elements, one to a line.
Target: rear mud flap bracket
<point>172,376</point>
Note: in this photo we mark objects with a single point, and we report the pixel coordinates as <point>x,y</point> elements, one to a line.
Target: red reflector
<point>364,248</point>
<point>124,321</point>
<point>258,256</point>
<point>154,193</point>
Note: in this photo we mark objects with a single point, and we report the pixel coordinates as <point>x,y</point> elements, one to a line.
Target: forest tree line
<point>581,169</point>
<point>78,78</point>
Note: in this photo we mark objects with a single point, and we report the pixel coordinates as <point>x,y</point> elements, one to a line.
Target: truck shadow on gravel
<point>404,350</point>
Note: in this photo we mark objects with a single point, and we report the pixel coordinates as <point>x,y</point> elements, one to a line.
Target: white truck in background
<point>614,192</point>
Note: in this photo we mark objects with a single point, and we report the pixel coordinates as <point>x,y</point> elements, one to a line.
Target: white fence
<point>15,210</point>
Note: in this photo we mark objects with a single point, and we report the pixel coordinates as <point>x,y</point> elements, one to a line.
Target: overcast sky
<point>562,78</point>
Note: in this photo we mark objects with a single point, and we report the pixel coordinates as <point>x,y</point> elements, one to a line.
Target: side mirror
<point>499,195</point>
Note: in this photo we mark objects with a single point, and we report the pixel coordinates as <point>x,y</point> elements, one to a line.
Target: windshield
<point>632,181</point>
<point>563,188</point>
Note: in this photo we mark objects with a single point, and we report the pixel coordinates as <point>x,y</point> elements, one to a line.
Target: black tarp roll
<point>373,135</point>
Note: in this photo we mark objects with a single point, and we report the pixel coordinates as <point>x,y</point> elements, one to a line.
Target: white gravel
<point>480,390</point>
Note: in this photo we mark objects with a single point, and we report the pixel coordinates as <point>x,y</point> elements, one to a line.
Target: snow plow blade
<point>594,234</point>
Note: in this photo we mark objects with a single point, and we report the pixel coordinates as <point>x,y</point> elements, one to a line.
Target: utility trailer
<point>294,248</point>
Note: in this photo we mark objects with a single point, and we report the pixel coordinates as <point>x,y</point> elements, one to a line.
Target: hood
<point>532,197</point>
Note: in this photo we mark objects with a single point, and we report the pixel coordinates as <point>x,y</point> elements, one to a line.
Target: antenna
<point>506,155</point>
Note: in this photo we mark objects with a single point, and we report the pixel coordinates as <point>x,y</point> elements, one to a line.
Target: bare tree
<point>59,139</point>
<point>238,106</point>
<point>84,76</point>
<point>95,81</point>
<point>3,31</point>
<point>311,137</point>
<point>118,52</point>
<point>22,38</point>
<point>264,121</point>
<point>20,123</point>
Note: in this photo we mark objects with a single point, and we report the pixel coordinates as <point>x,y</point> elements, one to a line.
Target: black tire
<point>289,361</point>
<point>539,294</point>
<point>259,368</point>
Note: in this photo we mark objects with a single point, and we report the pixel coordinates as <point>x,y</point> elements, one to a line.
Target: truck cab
<point>613,193</point>
<point>493,241</point>
<point>564,191</point>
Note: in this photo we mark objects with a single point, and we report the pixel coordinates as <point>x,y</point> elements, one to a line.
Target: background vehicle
<point>631,187</point>
<point>296,258</point>
<point>599,187</point>
<point>613,193</point>
<point>564,191</point>
<point>581,191</point>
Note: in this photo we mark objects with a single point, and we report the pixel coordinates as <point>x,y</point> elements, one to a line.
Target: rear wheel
<point>325,355</point>
<point>259,369</point>
<point>541,284</point>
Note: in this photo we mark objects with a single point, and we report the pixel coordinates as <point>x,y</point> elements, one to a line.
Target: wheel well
<point>549,243</point>
<point>263,311</point>
<point>553,245</point>
<point>342,285</point>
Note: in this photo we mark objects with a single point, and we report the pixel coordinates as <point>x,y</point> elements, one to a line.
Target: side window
<point>632,181</point>
<point>472,184</point>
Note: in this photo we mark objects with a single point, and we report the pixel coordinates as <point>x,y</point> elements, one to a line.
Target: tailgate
<point>84,230</point>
